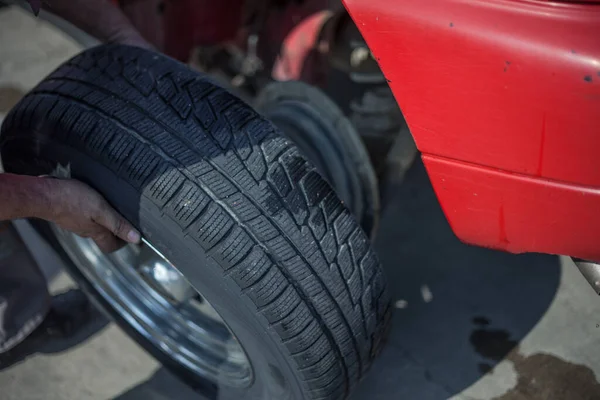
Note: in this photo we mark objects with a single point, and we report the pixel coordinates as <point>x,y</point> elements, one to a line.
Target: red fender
<point>503,100</point>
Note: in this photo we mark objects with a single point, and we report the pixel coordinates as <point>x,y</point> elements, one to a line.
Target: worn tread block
<point>140,165</point>
<point>256,165</point>
<point>197,90</point>
<point>263,229</point>
<point>297,268</point>
<point>205,145</point>
<point>39,114</point>
<point>95,98</point>
<point>99,137</point>
<point>310,335</point>
<point>294,323</point>
<point>213,225</point>
<point>82,127</point>
<point>278,245</point>
<point>243,207</point>
<point>234,247</point>
<point>187,204</point>
<point>268,288</point>
<point>28,104</point>
<point>332,389</point>
<point>295,165</point>
<point>166,88</point>
<point>242,144</point>
<point>221,132</point>
<point>251,269</point>
<point>54,119</point>
<point>110,106</point>
<point>359,245</point>
<point>231,163</point>
<point>355,287</point>
<point>182,105</point>
<point>325,377</point>
<point>314,187</point>
<point>273,147</point>
<point>316,221</point>
<point>205,114</point>
<point>222,101</point>
<point>306,358</point>
<point>218,184</point>
<point>329,246</point>
<point>367,267</point>
<point>320,368</point>
<point>282,307</point>
<point>239,115</point>
<point>338,291</point>
<point>278,178</point>
<point>165,142</point>
<point>140,80</point>
<point>68,119</point>
<point>343,225</point>
<point>296,204</point>
<point>331,207</point>
<point>164,184</point>
<point>128,116</point>
<point>259,129</point>
<point>345,261</point>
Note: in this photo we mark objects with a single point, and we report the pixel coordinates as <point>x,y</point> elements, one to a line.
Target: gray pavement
<point>469,323</point>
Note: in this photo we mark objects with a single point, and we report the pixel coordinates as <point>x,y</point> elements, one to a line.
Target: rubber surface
<point>230,190</point>
<point>319,128</point>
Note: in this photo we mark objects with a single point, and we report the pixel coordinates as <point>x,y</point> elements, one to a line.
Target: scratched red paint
<point>542,143</point>
<point>502,238</point>
<point>503,99</point>
<point>514,212</point>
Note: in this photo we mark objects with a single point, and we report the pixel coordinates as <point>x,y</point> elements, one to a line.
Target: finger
<point>114,222</point>
<point>108,242</point>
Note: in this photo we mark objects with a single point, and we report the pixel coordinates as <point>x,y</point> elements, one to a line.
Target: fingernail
<point>133,237</point>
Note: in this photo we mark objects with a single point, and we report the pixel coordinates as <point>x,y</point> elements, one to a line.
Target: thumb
<point>119,226</point>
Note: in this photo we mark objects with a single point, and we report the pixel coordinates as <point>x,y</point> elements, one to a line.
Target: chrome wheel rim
<point>153,297</point>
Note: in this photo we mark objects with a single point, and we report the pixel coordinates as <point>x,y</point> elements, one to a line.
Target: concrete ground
<point>469,324</point>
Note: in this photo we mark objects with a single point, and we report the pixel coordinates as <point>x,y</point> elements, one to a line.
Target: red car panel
<point>516,213</point>
<point>493,88</point>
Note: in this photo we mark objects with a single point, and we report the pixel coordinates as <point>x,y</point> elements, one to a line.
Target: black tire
<point>228,200</point>
<point>307,116</point>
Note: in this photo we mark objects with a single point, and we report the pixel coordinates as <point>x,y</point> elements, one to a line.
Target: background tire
<point>306,116</point>
<point>228,200</point>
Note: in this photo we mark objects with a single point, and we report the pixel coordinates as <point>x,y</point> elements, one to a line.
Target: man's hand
<point>68,203</point>
<point>78,208</point>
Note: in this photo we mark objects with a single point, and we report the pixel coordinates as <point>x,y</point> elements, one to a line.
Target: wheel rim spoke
<point>155,298</point>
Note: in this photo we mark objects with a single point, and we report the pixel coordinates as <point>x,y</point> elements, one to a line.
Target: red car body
<point>503,100</point>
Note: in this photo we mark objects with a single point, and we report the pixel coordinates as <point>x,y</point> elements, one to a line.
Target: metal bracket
<point>591,272</point>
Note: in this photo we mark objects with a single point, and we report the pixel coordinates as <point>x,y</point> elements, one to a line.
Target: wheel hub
<point>153,296</point>
<point>164,277</point>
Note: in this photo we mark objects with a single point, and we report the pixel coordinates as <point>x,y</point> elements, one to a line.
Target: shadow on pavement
<point>160,386</point>
<point>444,292</point>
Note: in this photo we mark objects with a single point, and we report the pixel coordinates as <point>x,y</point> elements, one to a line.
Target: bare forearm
<point>23,196</point>
<point>99,18</point>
